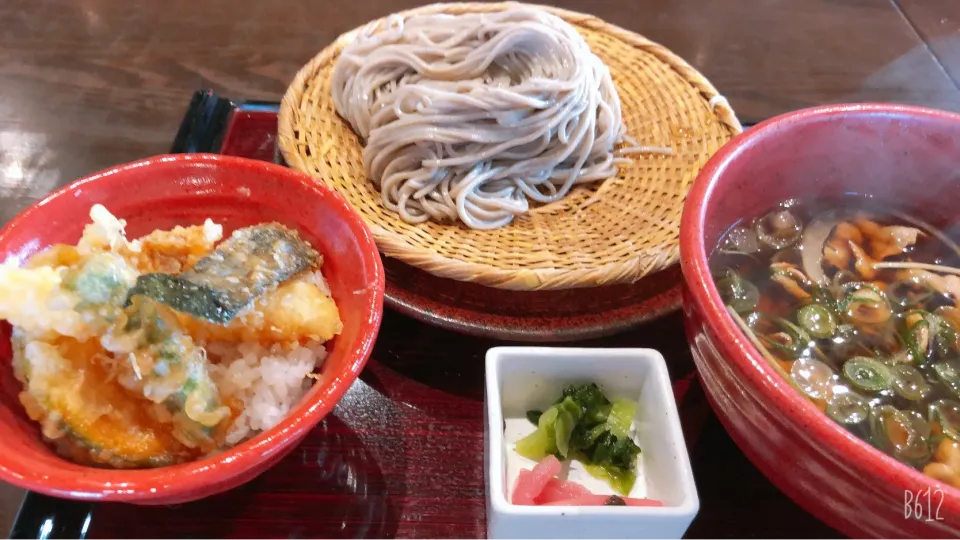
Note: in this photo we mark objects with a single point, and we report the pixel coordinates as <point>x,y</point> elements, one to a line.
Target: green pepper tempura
<point>584,425</point>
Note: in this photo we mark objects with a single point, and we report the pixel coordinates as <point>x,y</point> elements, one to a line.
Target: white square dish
<point>519,379</point>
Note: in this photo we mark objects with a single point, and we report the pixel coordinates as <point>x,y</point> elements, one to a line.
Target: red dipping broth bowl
<point>908,156</point>
<point>159,193</point>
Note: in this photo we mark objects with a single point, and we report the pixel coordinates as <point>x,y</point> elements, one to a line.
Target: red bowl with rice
<point>167,191</point>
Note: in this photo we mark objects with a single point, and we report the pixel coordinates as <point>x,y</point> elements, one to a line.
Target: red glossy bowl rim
<point>703,292</point>
<point>196,476</point>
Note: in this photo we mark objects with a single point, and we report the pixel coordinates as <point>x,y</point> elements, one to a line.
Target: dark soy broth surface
<point>858,308</point>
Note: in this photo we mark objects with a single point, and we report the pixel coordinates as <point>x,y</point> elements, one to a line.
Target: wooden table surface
<point>92,83</point>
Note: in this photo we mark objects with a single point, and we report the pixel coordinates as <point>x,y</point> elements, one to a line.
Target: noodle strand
<point>468,117</point>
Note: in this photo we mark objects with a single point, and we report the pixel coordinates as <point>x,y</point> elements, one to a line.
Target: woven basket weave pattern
<point>614,231</point>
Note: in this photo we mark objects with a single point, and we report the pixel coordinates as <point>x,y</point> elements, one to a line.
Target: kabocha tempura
<point>859,310</point>
<point>163,349</point>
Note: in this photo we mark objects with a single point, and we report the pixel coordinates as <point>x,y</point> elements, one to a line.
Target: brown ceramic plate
<point>541,316</point>
<point>248,129</point>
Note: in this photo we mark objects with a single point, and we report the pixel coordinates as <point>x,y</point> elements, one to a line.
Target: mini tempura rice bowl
<point>275,387</point>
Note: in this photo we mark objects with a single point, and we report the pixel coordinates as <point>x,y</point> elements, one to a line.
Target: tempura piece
<point>72,395</point>
<point>173,251</point>
<point>296,310</point>
<point>242,268</point>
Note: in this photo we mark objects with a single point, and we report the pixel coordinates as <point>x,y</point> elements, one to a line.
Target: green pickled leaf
<point>535,446</point>
<point>563,429</point>
<point>621,481</point>
<point>583,437</point>
<point>594,406</point>
<point>584,425</point>
<point>542,442</point>
<point>548,418</point>
<point>621,417</point>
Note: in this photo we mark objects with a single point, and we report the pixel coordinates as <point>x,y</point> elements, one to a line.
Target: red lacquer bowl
<point>162,192</point>
<point>907,155</point>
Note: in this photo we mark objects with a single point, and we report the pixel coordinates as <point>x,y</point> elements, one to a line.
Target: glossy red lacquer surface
<point>184,190</point>
<point>907,156</point>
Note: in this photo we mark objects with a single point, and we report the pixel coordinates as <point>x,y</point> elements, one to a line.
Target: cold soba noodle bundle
<point>471,116</point>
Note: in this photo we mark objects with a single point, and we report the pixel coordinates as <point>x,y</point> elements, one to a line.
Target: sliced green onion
<point>916,337</point>
<point>814,378</point>
<point>738,293</point>
<point>817,320</point>
<point>909,383</point>
<point>823,296</point>
<point>867,374</point>
<point>901,434</point>
<point>849,410</point>
<point>621,481</point>
<point>948,339</point>
<point>909,292</point>
<point>845,341</point>
<point>948,373</point>
<point>843,277</point>
<point>945,418</point>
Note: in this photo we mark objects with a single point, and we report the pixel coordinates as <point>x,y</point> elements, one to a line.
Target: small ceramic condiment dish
<point>519,379</point>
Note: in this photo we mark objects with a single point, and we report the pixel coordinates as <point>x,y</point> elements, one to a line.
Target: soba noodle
<point>471,116</point>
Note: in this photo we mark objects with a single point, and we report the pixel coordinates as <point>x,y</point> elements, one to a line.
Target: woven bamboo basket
<point>614,231</point>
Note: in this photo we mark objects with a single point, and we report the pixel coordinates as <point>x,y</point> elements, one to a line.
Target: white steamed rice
<point>270,381</point>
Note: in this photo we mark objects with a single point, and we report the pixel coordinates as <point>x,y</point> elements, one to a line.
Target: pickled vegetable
<point>72,397</point>
<point>543,441</point>
<point>584,425</point>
